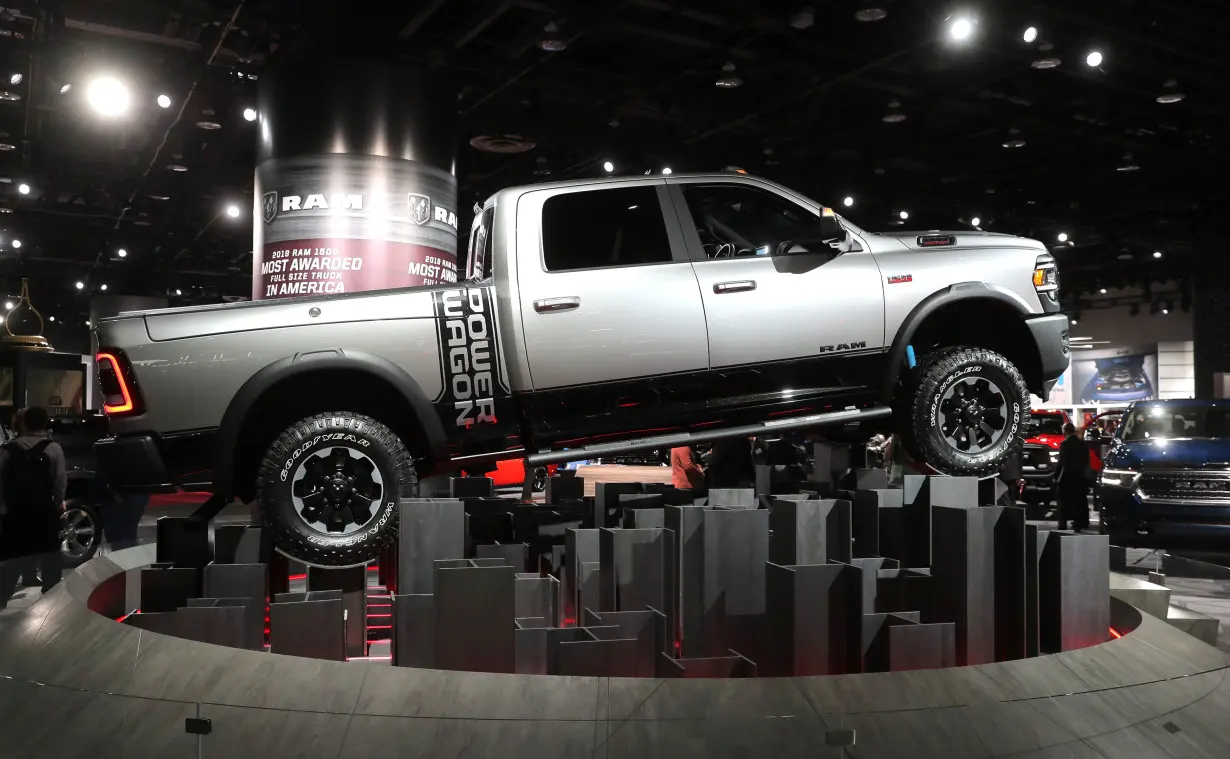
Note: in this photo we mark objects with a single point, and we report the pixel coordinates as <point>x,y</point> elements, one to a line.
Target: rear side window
<point>603,228</point>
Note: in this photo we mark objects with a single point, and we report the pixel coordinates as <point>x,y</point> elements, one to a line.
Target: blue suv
<point>1166,477</point>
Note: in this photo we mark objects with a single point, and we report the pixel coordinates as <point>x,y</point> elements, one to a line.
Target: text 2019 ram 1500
<point>598,316</point>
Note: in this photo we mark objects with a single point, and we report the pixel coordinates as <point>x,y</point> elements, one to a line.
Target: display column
<point>355,189</point>
<point>1211,313</point>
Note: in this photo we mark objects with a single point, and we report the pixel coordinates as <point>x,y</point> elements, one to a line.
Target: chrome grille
<point>1192,485</point>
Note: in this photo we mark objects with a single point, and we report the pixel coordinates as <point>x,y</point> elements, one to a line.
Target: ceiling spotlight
<point>847,201</point>
<point>8,306</point>
<point>249,114</point>
<point>1030,34</point>
<point>894,118</point>
<point>1046,63</point>
<point>1094,59</point>
<point>80,285</point>
<point>87,323</point>
<point>15,79</point>
<point>667,170</point>
<point>1157,254</point>
<point>177,167</point>
<point>16,243</point>
<point>608,167</point>
<point>729,82</point>
<point>23,188</point>
<point>103,286</point>
<point>552,46</point>
<point>179,292</point>
<point>975,222</point>
<point>1171,97</point>
<point>164,101</point>
<point>871,14</point>
<point>108,96</point>
<point>51,318</point>
<point>121,253</point>
<point>1102,291</point>
<point>1063,237</point>
<point>64,88</point>
<point>904,215</point>
<point>961,29</point>
<point>1014,144</point>
<point>1165,311</point>
<point>232,211</point>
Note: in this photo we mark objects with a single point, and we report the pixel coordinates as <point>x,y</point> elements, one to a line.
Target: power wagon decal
<point>474,390</point>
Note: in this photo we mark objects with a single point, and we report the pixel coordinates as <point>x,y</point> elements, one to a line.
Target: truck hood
<point>964,239</point>
<point>1179,453</point>
<point>1050,441</point>
<point>223,318</point>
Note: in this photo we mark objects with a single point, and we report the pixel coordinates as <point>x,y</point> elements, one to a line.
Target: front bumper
<point>1162,522</point>
<point>149,463</point>
<point>1121,396</point>
<point>1050,335</point>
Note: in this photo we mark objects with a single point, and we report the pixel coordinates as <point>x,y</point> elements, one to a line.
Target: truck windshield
<point>1176,420</point>
<point>1044,424</point>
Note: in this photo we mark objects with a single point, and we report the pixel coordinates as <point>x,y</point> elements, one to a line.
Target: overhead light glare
<point>80,285</point>
<point>16,243</point>
<point>1046,63</point>
<point>232,211</point>
<point>975,222</point>
<point>608,167</point>
<point>1171,97</point>
<point>179,292</point>
<point>552,45</point>
<point>249,114</point>
<point>15,79</point>
<point>103,286</point>
<point>868,15</point>
<point>904,215</point>
<point>1157,254</point>
<point>164,101</point>
<point>1102,291</point>
<point>961,29</point>
<point>848,201</point>
<point>1030,34</point>
<point>1063,237</point>
<point>23,188</point>
<point>894,118</point>
<point>107,96</point>
<point>64,88</point>
<point>729,82</point>
<point>666,170</point>
<point>1094,59</point>
<point>8,306</point>
<point>121,253</point>
<point>1013,144</point>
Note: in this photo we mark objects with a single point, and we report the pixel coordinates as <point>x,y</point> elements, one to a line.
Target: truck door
<point>788,312</point>
<point>613,324</point>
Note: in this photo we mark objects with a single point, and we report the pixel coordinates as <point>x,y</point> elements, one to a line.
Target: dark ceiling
<point>891,112</point>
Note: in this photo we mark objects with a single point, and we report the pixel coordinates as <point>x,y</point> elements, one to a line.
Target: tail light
<point>119,387</point>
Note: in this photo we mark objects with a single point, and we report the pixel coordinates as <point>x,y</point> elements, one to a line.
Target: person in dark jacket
<point>1073,476</point>
<point>730,464</point>
<point>33,485</point>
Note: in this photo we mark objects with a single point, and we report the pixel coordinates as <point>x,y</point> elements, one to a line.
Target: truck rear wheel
<point>328,488</point>
<point>965,411</point>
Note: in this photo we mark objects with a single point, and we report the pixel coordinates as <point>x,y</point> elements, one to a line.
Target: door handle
<point>551,305</point>
<point>734,287</point>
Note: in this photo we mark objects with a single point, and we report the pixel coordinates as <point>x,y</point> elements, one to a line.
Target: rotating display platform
<point>74,682</point>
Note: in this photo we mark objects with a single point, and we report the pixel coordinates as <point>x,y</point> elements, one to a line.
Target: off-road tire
<point>919,414</point>
<point>293,536</point>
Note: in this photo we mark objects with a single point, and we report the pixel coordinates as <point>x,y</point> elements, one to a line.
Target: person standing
<point>686,474</point>
<point>1073,476</point>
<point>730,464</point>
<point>33,484</point>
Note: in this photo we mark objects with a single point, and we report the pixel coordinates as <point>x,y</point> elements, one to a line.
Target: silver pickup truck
<point>595,317</point>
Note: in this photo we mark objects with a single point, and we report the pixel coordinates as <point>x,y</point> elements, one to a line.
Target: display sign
<point>60,391</point>
<point>1114,376</point>
<point>330,224</point>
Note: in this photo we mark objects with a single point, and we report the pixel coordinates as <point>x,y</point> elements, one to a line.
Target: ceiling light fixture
<point>1014,144</point>
<point>1157,254</point>
<point>904,215</point>
<point>107,96</point>
<point>51,318</point>
<point>667,170</point>
<point>848,201</point>
<point>975,222</point>
<point>80,285</point>
<point>15,79</point>
<point>164,101</point>
<point>23,188</point>
<point>1129,167</point>
<point>1102,291</point>
<point>232,211</point>
<point>16,243</point>
<point>249,114</point>
<point>1094,59</point>
<point>103,287</point>
<point>1030,34</point>
<point>8,306</point>
<point>1046,63</point>
<point>551,43</point>
<point>121,253</point>
<point>868,15</point>
<point>208,126</point>
<point>1063,237</point>
<point>894,118</point>
<point>961,29</point>
<point>179,292</point>
<point>64,88</point>
<point>608,167</point>
<point>1171,97</point>
<point>177,167</point>
<point>728,82</point>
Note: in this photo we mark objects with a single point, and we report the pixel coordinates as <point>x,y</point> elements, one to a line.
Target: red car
<point>1041,455</point>
<point>511,473</point>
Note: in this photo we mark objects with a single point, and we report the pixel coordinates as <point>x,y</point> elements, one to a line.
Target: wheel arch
<point>934,321</point>
<point>380,380</point>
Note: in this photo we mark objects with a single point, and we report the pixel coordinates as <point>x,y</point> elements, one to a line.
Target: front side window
<point>597,229</point>
<point>738,221</point>
<point>1176,420</point>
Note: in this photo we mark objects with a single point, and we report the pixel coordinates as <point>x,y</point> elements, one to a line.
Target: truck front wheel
<point>328,488</point>
<point>965,411</point>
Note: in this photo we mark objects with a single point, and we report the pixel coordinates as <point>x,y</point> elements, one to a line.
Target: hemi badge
<point>900,278</point>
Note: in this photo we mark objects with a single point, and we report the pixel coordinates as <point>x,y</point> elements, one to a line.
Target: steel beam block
<point>809,532</point>
<point>1073,591</point>
<point>430,530</point>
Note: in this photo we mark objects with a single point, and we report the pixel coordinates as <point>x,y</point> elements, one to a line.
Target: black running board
<point>845,416</point>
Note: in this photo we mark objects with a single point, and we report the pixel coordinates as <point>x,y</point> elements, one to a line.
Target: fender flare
<point>925,308</point>
<point>302,363</point>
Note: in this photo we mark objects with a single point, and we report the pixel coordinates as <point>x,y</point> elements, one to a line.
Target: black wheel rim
<point>78,532</point>
<point>337,490</point>
<point>540,479</point>
<point>973,415</point>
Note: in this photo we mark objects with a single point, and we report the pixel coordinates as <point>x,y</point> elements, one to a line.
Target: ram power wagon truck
<point>595,318</point>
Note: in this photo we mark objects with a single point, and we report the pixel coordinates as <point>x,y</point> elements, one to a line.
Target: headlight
<point>1119,478</point>
<point>1054,456</point>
